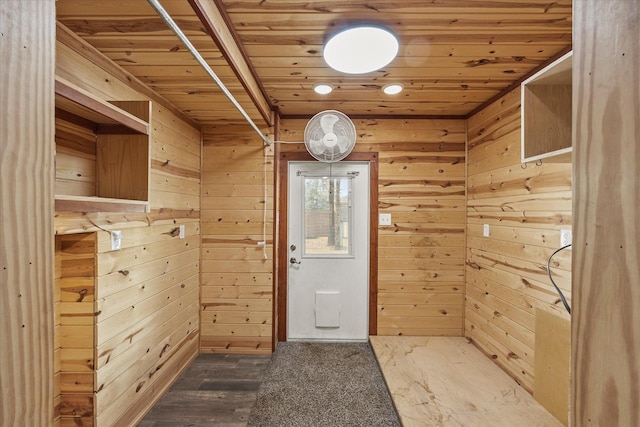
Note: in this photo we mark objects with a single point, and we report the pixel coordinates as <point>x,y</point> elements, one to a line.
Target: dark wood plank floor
<point>214,390</point>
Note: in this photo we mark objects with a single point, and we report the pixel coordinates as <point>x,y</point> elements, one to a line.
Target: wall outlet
<point>566,237</point>
<point>116,240</point>
<point>485,230</point>
<point>384,219</point>
<point>181,232</point>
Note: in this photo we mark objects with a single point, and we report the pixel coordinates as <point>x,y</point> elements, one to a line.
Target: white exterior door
<point>328,250</point>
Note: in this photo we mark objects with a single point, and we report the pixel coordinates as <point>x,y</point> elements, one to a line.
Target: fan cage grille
<point>319,145</point>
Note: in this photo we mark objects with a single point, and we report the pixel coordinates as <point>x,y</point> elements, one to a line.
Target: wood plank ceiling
<point>455,55</point>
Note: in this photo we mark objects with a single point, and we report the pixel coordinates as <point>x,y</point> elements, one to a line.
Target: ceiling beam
<point>218,24</point>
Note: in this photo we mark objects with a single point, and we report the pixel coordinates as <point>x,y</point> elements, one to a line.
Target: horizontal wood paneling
<point>146,301</point>
<point>146,294</point>
<point>236,280</point>
<point>454,55</point>
<point>75,159</point>
<point>175,160</point>
<point>445,46</point>
<point>525,206</point>
<point>421,255</point>
<point>75,322</point>
<point>161,69</point>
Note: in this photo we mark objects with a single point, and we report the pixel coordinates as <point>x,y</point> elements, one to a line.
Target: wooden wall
<point>75,159</point>
<point>525,209</point>
<point>606,282</point>
<point>421,268</point>
<point>74,355</point>
<point>236,279</point>
<point>421,256</point>
<point>146,294</point>
<point>26,201</point>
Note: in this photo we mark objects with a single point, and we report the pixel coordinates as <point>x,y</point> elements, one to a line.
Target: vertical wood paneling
<point>421,183</point>
<point>236,279</point>
<point>146,295</point>
<point>26,203</point>
<point>525,208</point>
<point>606,315</point>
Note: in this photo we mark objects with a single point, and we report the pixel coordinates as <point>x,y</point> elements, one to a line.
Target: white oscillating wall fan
<point>330,136</point>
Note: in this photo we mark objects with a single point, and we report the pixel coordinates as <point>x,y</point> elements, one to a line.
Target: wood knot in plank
<point>83,293</point>
<point>174,232</point>
<point>131,336</point>
<point>152,373</point>
<point>106,353</point>
<point>164,349</point>
<point>479,62</point>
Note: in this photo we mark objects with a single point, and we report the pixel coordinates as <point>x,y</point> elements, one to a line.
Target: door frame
<point>280,309</point>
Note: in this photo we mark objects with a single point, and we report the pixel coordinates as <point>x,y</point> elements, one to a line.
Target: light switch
<point>384,219</point>
<point>485,230</point>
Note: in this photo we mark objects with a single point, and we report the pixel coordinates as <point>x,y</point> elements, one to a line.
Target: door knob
<point>294,261</point>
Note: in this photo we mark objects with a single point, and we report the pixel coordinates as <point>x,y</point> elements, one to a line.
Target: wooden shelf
<point>546,113</point>
<point>81,103</point>
<point>98,204</point>
<point>102,152</point>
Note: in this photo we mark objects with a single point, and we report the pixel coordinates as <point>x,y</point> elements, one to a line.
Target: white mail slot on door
<point>327,309</point>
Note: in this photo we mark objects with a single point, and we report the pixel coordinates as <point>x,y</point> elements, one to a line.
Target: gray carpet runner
<point>323,384</point>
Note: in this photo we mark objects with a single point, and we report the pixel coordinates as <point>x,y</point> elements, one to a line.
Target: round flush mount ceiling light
<point>392,88</point>
<point>361,49</point>
<point>323,88</point>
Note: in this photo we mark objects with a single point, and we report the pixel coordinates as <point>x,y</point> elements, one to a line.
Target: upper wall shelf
<point>546,113</point>
<point>81,103</point>
<point>102,152</point>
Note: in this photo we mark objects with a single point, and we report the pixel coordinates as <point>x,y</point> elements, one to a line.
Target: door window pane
<point>327,216</point>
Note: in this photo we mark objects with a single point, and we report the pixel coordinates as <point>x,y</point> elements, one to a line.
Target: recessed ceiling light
<point>392,88</point>
<point>323,88</point>
<point>361,49</point>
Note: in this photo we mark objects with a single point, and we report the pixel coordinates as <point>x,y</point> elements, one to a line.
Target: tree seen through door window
<point>327,215</point>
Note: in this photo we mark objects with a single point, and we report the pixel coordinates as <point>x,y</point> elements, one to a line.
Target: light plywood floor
<point>446,381</point>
